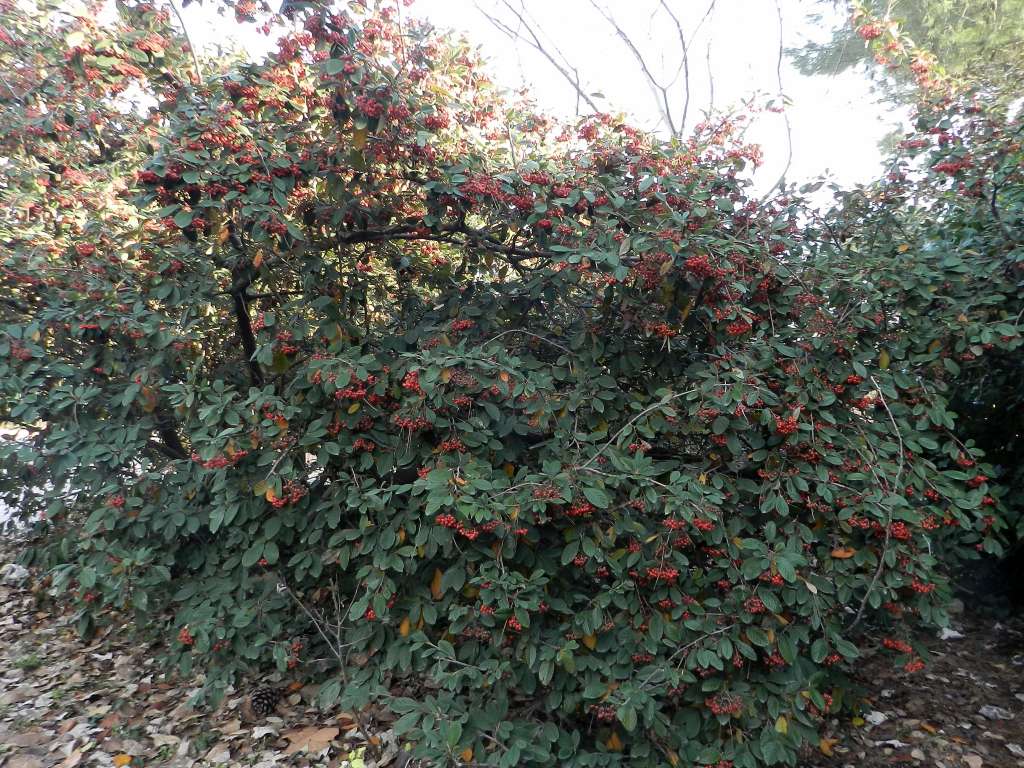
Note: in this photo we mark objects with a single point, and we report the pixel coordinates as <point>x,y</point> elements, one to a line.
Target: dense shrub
<point>551,439</point>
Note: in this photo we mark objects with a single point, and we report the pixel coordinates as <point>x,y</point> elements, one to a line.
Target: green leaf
<point>597,497</point>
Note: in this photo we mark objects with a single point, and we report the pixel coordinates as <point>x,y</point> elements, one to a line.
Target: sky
<point>836,122</point>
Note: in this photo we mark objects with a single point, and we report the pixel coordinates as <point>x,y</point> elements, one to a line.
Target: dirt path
<point>67,703</point>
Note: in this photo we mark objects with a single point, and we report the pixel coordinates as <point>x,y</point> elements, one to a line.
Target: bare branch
<point>785,113</point>
<point>685,64</point>
<point>192,48</point>
<point>534,41</point>
<point>661,95</point>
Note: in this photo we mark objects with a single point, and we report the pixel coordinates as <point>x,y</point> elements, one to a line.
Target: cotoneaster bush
<point>548,438</point>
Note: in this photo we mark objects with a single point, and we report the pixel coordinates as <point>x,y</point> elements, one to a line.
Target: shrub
<point>551,439</point>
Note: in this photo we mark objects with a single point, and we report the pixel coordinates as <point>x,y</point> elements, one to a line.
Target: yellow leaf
<point>446,375</point>
<point>401,535</point>
<point>782,724</point>
<point>702,478</point>
<point>903,248</point>
<point>269,495</point>
<point>510,470</point>
<point>590,641</point>
<point>260,488</point>
<point>467,755</point>
<point>514,514</point>
<point>843,553</point>
<point>404,627</point>
<point>673,758</point>
<point>257,260</point>
<point>614,743</point>
<point>858,721</point>
<point>686,312</point>
<point>935,345</point>
<point>929,727</point>
<point>122,760</point>
<point>825,745</point>
<point>435,584</point>
<point>884,359</point>
<point>353,408</point>
<point>504,376</point>
<point>359,137</point>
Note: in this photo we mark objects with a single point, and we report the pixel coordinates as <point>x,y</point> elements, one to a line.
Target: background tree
<point>978,43</point>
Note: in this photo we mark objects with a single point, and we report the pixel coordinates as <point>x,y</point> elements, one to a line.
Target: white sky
<point>836,121</point>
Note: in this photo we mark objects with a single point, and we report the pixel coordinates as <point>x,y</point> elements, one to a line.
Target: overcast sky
<point>836,121</point>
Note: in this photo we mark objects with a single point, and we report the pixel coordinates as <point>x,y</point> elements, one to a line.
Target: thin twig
<point>188,39</point>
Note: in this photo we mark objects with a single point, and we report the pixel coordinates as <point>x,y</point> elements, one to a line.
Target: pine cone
<point>263,701</point>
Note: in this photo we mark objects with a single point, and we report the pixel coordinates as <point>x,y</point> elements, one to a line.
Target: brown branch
<point>241,278</point>
<point>446,234</point>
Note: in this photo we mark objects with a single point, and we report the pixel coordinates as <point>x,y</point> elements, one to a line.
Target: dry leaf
<point>590,641</point>
<point>435,584</point>
<point>843,553</point>
<point>825,745</point>
<point>73,759</point>
<point>122,760</point>
<point>311,739</point>
<point>614,743</point>
<point>467,755</point>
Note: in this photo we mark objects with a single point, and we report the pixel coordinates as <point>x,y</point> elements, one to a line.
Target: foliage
<point>549,438</point>
<point>976,42</point>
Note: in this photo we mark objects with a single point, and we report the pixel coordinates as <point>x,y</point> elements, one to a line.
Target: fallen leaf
<point>73,759</point>
<point>311,739</point>
<point>122,760</point>
<point>826,745</point>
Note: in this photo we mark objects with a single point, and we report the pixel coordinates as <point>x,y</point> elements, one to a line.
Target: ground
<point>64,702</point>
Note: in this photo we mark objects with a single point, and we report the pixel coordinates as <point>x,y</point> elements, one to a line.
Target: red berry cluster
<point>897,645</point>
<point>754,605</point>
<point>786,425</point>
<point>411,382</point>
<point>580,509</point>
<point>724,704</point>
<point>662,574</point>
<point>869,31</point>
<point>448,521</point>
